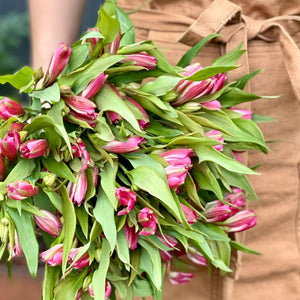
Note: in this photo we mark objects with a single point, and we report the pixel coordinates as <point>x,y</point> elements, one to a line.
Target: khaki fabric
<point>270,30</point>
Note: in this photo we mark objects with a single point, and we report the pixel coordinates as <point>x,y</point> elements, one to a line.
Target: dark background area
<point>14,54</point>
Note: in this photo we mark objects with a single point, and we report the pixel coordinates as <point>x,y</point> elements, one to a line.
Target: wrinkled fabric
<point>274,274</point>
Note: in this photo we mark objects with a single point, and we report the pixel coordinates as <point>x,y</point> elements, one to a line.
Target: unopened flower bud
<point>49,180</point>
<point>38,74</point>
<point>65,90</point>
<point>170,96</point>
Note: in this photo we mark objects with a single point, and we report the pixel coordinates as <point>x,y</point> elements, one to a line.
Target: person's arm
<point>52,22</point>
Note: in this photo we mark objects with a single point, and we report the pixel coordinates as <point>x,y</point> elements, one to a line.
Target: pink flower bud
<point>17,250</point>
<point>131,145</point>
<point>245,114</point>
<point>236,155</point>
<point>79,150</point>
<point>17,126</point>
<point>176,175</point>
<point>2,168</point>
<point>111,115</point>
<point>10,108</point>
<point>142,60</point>
<point>53,256</point>
<point>113,47</point>
<point>34,148</point>
<point>169,241</point>
<point>179,277</point>
<point>107,290</point>
<point>144,123</point>
<point>94,40</point>
<point>95,176</point>
<point>216,135</point>
<point>94,86</point>
<point>57,64</point>
<point>78,190</point>
<point>212,105</point>
<point>131,236</point>
<point>81,106</point>
<point>10,145</point>
<point>241,221</point>
<point>48,222</point>
<point>189,213</point>
<point>237,198</point>
<point>148,220</point>
<point>125,197</point>
<point>79,294</point>
<point>21,189</point>
<point>196,257</point>
<point>216,211</point>
<point>80,262</point>
<point>179,156</point>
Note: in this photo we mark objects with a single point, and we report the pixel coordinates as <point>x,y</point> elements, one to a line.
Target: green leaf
<point>122,247</point>
<point>186,59</point>
<point>156,264</point>
<point>108,100</point>
<point>135,48</point>
<point>240,247</point>
<point>51,276</point>
<point>206,179</point>
<point>108,26</point>
<point>83,219</point>
<point>261,119</point>
<point>55,200</point>
<point>21,170</point>
<point>104,214</point>
<point>99,277</point>
<point>79,54</point>
<point>161,85</point>
<point>80,78</point>
<point>211,154</point>
<point>229,58</point>
<point>68,288</point>
<point>58,168</point>
<point>233,96</point>
<point>212,231</point>
<point>159,130</point>
<point>50,94</point>
<point>27,238</point>
<point>108,182</point>
<point>209,71</point>
<point>148,179</point>
<point>24,205</point>
<point>69,225</point>
<point>103,130</point>
<point>244,79</point>
<point>142,288</point>
<point>19,79</point>
<point>127,28</point>
<point>56,114</point>
<point>38,123</point>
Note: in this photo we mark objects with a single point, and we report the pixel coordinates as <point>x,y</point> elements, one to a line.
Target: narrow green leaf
<point>69,225</point>
<point>79,55</point>
<point>127,28</point>
<point>244,79</point>
<point>104,214</point>
<point>38,123</point>
<point>68,288</point>
<point>161,85</point>
<point>229,58</point>
<point>51,276</point>
<point>122,247</point>
<point>83,219</point>
<point>240,247</point>
<point>186,59</point>
<point>99,277</point>
<point>108,179</point>
<point>211,154</point>
<point>212,231</point>
<point>27,238</point>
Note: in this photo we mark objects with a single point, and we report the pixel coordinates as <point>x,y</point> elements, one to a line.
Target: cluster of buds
<point>179,163</point>
<point>188,90</point>
<point>230,216</point>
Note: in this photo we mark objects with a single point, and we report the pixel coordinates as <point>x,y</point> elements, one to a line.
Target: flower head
<point>21,189</point>
<point>78,262</point>
<point>78,190</point>
<point>53,256</point>
<point>48,222</point>
<point>126,197</point>
<point>34,148</point>
<point>148,220</point>
<point>131,145</point>
<point>10,108</point>
<point>10,145</point>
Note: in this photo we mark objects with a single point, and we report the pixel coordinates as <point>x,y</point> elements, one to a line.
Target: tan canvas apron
<point>270,30</point>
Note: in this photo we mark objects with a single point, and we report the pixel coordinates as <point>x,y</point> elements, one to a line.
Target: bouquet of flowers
<point>123,167</point>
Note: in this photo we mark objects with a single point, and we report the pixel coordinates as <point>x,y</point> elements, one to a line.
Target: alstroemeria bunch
<point>129,171</point>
